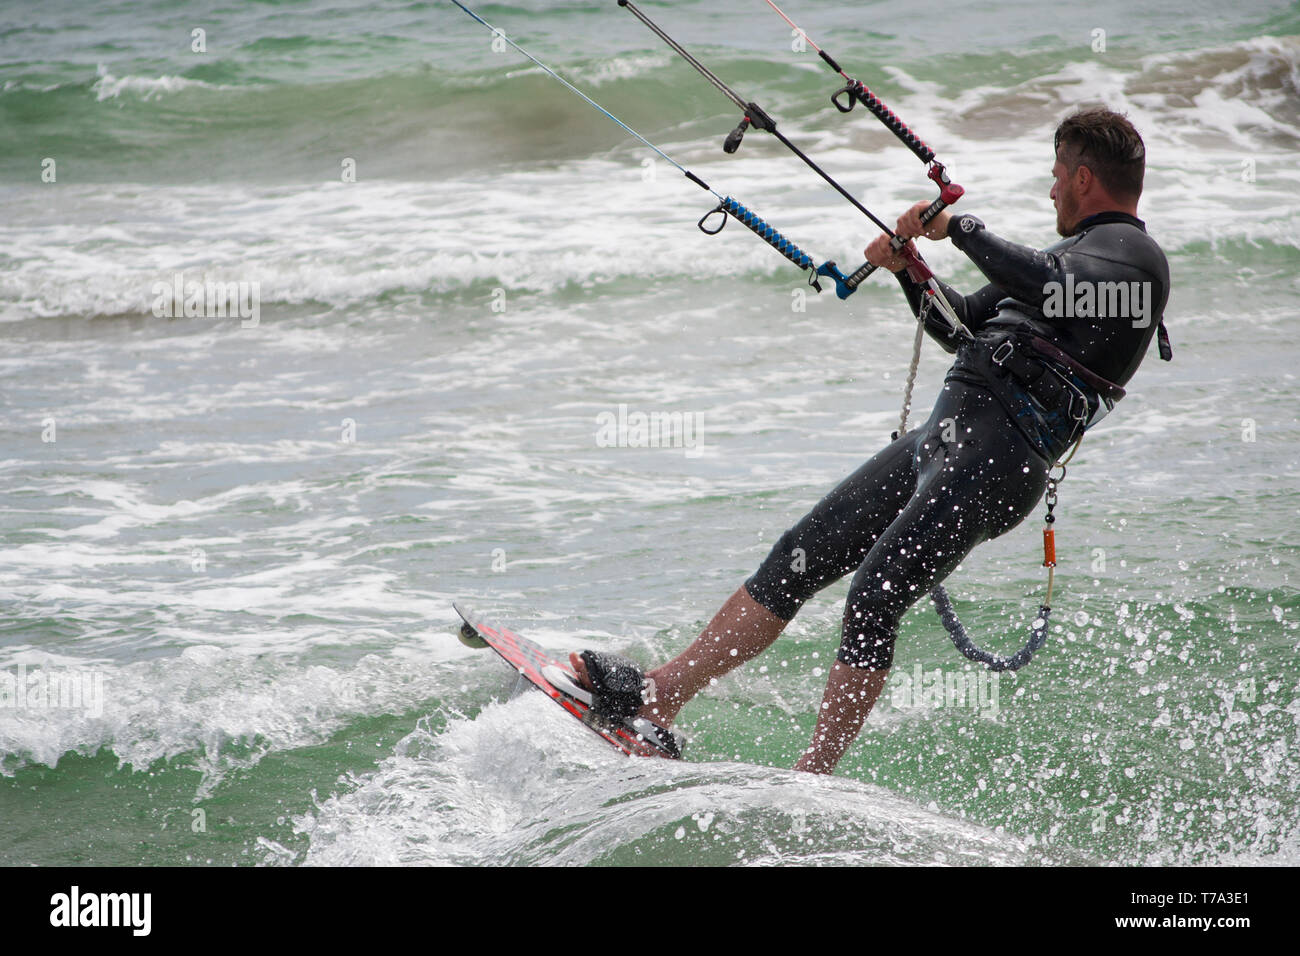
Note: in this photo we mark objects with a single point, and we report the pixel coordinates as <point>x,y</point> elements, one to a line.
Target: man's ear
<point>1083,178</point>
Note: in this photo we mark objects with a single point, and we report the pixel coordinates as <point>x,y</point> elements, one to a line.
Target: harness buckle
<point>1084,413</point>
<point>1078,408</point>
<point>1000,356</point>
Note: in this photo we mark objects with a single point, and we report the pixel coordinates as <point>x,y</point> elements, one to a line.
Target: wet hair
<point>1108,145</point>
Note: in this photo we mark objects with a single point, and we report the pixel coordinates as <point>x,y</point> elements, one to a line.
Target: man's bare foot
<point>580,668</point>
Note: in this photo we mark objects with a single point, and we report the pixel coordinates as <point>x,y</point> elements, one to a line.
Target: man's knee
<point>872,612</point>
<point>782,582</point>
<point>867,652</point>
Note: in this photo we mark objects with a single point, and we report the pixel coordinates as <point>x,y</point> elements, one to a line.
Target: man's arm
<point>1022,272</point>
<point>1032,276</point>
<point>973,310</point>
<point>1018,272</point>
<point>1114,255</point>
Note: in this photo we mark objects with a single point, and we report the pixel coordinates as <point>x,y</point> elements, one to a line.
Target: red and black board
<point>529,659</point>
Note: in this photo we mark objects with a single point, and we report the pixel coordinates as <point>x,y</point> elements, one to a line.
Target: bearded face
<point>1065,197</point>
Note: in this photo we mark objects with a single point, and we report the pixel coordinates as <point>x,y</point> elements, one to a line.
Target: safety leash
<point>939,594</point>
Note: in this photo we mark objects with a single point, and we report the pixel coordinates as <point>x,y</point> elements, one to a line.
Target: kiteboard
<point>530,660</point>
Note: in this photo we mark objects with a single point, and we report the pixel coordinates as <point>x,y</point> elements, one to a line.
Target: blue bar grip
<point>781,244</point>
<point>769,235</point>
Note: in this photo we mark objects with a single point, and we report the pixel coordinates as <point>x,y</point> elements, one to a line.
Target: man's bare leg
<point>850,694</point>
<point>739,632</point>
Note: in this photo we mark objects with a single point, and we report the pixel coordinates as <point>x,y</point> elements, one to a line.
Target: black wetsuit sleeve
<point>973,310</point>
<point>1057,293</point>
<point>1021,272</point>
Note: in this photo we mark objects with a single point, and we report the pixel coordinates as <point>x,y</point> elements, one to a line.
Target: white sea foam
<point>110,87</point>
<point>524,784</point>
<point>346,244</point>
<point>218,709</point>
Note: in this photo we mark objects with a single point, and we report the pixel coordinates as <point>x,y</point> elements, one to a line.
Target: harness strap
<point>1104,387</point>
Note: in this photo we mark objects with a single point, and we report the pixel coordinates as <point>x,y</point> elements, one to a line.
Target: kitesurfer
<point>1056,335</point>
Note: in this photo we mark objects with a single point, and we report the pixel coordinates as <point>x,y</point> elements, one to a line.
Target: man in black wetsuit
<point>1052,339</point>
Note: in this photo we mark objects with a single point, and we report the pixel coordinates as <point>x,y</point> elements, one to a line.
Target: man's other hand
<point>909,223</point>
<point>881,254</point>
